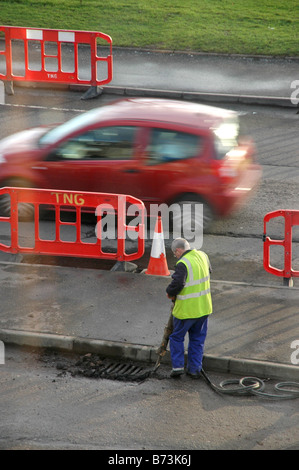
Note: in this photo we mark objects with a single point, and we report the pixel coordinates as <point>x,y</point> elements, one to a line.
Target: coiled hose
<point>254,386</point>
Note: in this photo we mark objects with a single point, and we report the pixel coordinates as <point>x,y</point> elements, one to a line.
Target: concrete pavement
<point>124,314</point>
<point>254,324</point>
<point>206,77</point>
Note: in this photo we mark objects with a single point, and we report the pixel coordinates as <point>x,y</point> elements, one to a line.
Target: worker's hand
<point>171,297</point>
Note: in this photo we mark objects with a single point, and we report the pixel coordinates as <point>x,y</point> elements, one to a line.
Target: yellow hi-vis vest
<point>195,299</point>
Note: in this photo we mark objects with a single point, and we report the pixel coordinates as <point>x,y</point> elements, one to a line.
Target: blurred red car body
<point>161,151</point>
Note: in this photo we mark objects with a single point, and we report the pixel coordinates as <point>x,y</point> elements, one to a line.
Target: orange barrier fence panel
<point>77,203</point>
<point>291,218</point>
<point>58,56</point>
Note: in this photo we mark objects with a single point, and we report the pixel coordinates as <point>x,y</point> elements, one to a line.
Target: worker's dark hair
<point>180,243</point>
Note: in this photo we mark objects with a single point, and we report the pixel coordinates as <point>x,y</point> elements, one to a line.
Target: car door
<point>170,159</point>
<point>100,160</point>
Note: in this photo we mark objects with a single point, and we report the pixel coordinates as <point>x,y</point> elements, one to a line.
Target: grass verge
<point>264,27</point>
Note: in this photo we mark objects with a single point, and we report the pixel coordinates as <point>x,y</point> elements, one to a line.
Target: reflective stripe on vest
<point>194,295</point>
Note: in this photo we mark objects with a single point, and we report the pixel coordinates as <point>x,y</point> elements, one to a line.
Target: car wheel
<point>192,218</point>
<point>25,210</point>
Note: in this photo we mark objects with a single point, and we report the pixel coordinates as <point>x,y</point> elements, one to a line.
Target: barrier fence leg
<point>288,281</point>
<point>5,88</point>
<point>2,93</point>
<point>9,89</point>
<point>92,92</point>
<point>124,266</point>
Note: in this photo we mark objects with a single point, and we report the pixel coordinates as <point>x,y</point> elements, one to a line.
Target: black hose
<point>254,386</point>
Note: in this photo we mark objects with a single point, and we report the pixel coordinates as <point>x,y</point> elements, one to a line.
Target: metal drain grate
<point>120,371</point>
<point>91,366</point>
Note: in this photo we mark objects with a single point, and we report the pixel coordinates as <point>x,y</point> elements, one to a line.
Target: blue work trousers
<point>197,331</point>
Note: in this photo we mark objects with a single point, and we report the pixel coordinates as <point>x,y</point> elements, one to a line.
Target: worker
<point>190,289</point>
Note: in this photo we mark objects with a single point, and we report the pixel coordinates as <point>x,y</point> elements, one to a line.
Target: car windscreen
<point>226,137</point>
<point>58,133</point>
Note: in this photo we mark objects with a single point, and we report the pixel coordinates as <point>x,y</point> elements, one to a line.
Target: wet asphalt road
<point>45,408</point>
<point>274,131</point>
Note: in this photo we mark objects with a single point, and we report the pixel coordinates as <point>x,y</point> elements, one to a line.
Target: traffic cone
<point>158,263</point>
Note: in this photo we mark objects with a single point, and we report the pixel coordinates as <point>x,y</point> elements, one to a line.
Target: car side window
<point>105,143</point>
<point>168,146</point>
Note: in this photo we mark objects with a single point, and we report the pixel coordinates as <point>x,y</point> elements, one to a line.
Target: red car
<point>161,151</point>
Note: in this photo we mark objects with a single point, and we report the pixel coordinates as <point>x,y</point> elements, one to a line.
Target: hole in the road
<point>94,366</point>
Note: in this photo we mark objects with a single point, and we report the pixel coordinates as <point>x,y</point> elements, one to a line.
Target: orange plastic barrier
<point>48,64</point>
<point>291,218</point>
<point>99,203</point>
